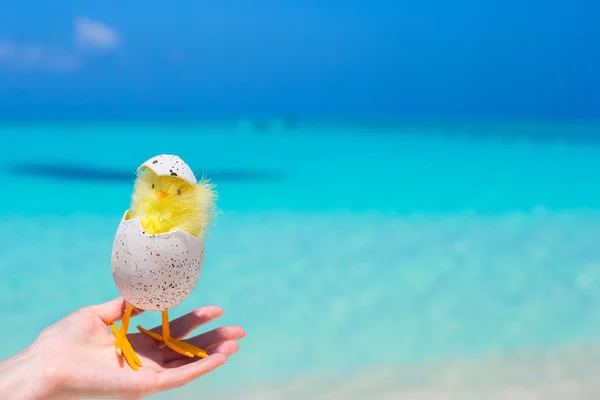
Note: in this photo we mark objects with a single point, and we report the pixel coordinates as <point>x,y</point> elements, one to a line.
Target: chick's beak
<point>161,194</point>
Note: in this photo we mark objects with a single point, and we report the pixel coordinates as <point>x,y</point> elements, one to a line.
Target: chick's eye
<point>178,192</point>
<point>153,186</point>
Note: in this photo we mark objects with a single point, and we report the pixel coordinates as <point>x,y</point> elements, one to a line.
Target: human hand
<point>75,358</point>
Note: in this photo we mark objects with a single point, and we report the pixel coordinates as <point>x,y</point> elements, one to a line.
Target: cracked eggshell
<point>170,165</point>
<point>155,272</point>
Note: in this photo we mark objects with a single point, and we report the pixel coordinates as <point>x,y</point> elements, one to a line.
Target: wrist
<point>25,376</point>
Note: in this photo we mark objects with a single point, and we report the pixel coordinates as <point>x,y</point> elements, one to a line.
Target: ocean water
<point>341,248</point>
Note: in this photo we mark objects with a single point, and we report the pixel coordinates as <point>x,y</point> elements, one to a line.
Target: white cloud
<point>36,56</point>
<point>87,34</point>
<point>95,34</point>
<point>7,49</point>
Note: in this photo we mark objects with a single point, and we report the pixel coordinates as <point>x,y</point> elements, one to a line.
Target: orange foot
<point>122,344</point>
<point>177,346</point>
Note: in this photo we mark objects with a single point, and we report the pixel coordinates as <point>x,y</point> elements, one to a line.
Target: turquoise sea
<point>340,247</point>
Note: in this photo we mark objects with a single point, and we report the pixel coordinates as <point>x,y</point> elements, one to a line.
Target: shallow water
<point>343,250</point>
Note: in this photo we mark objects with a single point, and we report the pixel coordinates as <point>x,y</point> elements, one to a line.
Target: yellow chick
<point>158,250</point>
<point>164,203</point>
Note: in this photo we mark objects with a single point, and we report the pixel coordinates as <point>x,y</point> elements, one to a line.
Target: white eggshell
<point>155,272</point>
<point>170,165</point>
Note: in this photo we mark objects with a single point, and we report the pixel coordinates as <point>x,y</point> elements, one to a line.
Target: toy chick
<point>158,250</point>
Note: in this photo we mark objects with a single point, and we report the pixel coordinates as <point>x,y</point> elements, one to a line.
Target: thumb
<point>112,310</point>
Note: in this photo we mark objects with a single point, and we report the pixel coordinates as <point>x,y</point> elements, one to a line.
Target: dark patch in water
<point>72,172</point>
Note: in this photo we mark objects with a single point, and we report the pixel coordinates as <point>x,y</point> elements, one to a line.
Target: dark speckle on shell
<point>159,282</point>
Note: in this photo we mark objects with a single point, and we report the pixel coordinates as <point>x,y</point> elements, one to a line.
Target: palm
<point>85,348</point>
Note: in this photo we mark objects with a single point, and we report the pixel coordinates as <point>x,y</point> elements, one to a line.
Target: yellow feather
<point>184,206</point>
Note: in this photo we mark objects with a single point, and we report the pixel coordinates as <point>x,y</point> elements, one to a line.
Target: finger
<point>227,348</point>
<point>209,339</point>
<point>184,325</point>
<point>217,336</point>
<point>176,377</point>
<point>112,310</point>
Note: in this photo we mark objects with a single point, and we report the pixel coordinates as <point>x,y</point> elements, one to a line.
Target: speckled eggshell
<point>155,272</point>
<point>170,165</point>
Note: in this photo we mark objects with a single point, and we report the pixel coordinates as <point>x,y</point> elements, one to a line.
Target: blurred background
<point>408,190</point>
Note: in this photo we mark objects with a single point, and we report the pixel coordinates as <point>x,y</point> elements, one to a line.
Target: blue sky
<point>306,58</point>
